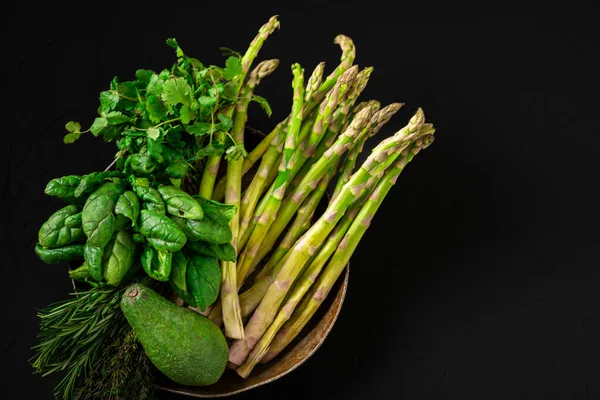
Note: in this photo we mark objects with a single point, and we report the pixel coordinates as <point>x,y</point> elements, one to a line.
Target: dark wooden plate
<point>297,352</point>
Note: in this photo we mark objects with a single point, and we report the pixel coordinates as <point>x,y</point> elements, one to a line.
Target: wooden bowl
<point>296,353</point>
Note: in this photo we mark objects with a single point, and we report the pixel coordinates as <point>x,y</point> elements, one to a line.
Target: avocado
<point>184,345</point>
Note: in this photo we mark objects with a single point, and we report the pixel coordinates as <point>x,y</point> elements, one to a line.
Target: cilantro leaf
<point>215,90</point>
<point>153,133</point>
<point>187,114</point>
<point>226,122</point>
<point>144,75</point>
<point>98,125</point>
<point>71,137</point>
<point>207,101</point>
<point>233,67</point>
<point>116,118</point>
<point>176,91</point>
<point>171,42</point>
<point>155,150</point>
<point>230,90</point>
<point>212,149</point>
<point>236,152</point>
<point>108,100</point>
<point>129,89</point>
<point>155,85</point>
<point>200,128</point>
<point>74,127</point>
<point>156,110</point>
<point>263,103</point>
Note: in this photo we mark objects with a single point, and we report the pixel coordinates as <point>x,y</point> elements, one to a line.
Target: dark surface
<point>479,277</point>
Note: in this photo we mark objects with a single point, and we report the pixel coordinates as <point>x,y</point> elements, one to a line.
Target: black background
<point>479,276</point>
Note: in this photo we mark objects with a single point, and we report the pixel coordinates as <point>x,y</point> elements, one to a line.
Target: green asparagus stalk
<point>378,120</point>
<point>211,168</point>
<point>248,259</point>
<point>327,161</point>
<point>315,126</point>
<point>264,177</point>
<point>282,180</point>
<point>380,158</point>
<point>319,291</point>
<point>340,116</point>
<point>267,171</point>
<point>260,151</point>
<point>300,225</point>
<point>252,297</point>
<point>232,318</point>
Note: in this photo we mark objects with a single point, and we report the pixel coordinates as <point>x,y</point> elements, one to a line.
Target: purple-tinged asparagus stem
<point>301,223</point>
<point>382,156</point>
<point>379,119</point>
<point>297,316</point>
<point>329,158</point>
<point>211,169</point>
<point>232,318</point>
<point>249,258</point>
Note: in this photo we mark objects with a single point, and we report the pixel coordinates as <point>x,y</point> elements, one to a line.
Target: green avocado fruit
<point>184,345</point>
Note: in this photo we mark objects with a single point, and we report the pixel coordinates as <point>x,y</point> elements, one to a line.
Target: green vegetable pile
<point>183,267</point>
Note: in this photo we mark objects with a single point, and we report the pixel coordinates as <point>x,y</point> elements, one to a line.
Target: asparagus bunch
<point>294,318</point>
<point>382,156</point>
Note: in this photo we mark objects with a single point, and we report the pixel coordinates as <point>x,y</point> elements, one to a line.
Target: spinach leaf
<point>59,255</point>
<point>216,209</point>
<point>128,205</point>
<point>97,217</point>
<point>180,203</point>
<point>62,228</point>
<point>223,252</point>
<point>203,277</point>
<point>93,257</point>
<point>118,257</point>
<point>208,229</point>
<point>161,232</point>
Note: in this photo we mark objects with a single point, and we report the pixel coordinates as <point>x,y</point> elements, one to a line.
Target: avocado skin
<point>184,345</point>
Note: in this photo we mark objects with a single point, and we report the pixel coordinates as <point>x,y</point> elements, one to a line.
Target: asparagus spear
<point>318,292</point>
<point>328,160</point>
<point>230,302</point>
<point>380,158</point>
<point>248,259</point>
<point>379,119</point>
<point>212,165</point>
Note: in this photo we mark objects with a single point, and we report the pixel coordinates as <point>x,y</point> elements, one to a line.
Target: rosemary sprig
<point>76,333</point>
